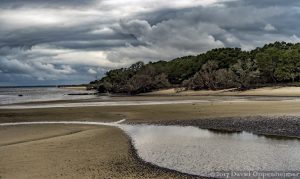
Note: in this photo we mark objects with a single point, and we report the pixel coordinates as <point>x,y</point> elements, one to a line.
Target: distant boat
<point>20,95</point>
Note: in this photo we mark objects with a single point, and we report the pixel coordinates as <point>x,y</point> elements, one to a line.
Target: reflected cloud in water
<point>199,151</point>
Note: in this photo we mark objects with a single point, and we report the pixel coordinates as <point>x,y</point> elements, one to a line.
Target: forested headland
<point>222,68</point>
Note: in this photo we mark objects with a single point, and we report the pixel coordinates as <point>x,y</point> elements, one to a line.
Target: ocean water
<point>32,94</point>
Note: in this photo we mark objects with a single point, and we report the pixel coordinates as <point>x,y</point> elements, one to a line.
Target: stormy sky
<point>75,41</point>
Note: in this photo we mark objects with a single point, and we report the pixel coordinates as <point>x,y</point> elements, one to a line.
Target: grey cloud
<point>269,27</point>
<point>264,3</point>
<point>32,73</point>
<point>135,27</point>
<point>157,16</point>
<point>14,66</point>
<point>70,37</point>
<point>13,4</point>
<point>84,44</point>
<point>239,15</point>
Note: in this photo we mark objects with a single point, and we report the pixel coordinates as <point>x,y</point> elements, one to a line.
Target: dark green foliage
<point>288,67</point>
<point>267,63</point>
<point>216,69</point>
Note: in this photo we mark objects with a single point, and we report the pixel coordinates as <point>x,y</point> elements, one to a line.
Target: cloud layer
<point>62,41</point>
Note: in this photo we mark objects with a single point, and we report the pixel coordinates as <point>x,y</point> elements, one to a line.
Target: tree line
<point>220,68</point>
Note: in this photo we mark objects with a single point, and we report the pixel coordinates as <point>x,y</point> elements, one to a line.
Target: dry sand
<point>265,91</point>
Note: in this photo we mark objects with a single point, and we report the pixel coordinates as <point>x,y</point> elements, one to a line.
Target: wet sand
<point>71,151</point>
<point>150,113</point>
<point>93,152</point>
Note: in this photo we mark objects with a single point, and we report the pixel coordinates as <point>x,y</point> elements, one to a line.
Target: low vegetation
<point>221,68</point>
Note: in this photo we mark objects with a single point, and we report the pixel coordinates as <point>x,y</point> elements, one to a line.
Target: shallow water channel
<point>199,151</point>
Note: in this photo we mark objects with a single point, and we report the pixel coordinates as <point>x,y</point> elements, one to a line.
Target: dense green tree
<point>267,63</point>
<point>288,66</point>
<point>221,68</point>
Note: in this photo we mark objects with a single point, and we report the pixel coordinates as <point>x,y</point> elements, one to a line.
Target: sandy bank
<point>265,91</point>
<point>149,113</point>
<point>91,152</point>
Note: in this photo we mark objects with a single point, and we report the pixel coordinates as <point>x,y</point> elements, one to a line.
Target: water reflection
<point>198,151</point>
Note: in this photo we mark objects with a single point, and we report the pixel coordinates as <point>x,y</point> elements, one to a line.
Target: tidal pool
<point>198,151</point>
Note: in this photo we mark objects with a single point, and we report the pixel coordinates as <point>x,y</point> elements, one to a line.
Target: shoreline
<point>132,152</point>
<point>145,168</point>
<point>121,162</point>
<point>75,87</point>
<point>108,101</point>
<point>274,117</point>
<point>268,126</point>
<point>274,91</point>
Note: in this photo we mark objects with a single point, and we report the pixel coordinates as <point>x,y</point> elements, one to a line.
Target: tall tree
<point>288,67</point>
<point>267,63</point>
<point>245,72</point>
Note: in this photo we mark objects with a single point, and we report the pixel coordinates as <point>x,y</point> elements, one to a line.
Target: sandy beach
<point>82,151</point>
<point>70,152</point>
<point>264,91</point>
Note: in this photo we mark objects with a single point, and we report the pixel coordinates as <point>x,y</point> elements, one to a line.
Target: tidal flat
<point>68,151</point>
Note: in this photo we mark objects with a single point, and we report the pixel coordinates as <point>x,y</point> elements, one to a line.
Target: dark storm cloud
<point>75,37</point>
<point>263,3</point>
<point>56,41</point>
<point>242,18</point>
<point>45,3</point>
<point>160,15</point>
